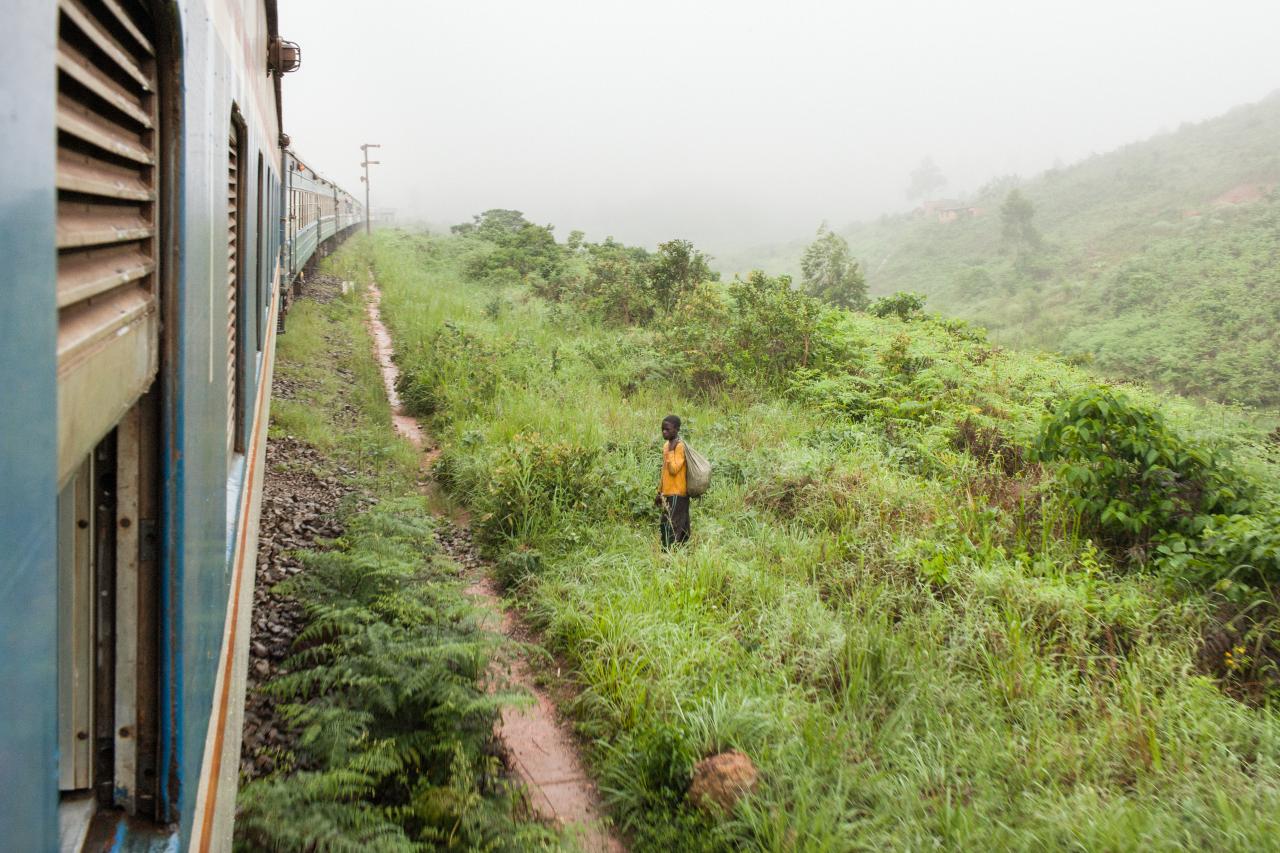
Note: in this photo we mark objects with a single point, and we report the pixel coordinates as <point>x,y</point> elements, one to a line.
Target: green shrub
<point>753,335</point>
<point>455,372</point>
<point>902,305</point>
<point>517,565</point>
<point>1132,477</point>
<point>1238,554</point>
<point>616,289</point>
<point>535,487</point>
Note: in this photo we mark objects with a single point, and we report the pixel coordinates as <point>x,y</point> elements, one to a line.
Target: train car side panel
<point>28,470</point>
<point>220,371</point>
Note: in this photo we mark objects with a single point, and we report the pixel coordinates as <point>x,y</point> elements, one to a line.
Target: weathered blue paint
<point>202,489</point>
<point>200,570</point>
<point>28,464</point>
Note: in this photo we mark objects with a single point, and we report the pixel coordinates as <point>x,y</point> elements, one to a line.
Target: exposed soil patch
<point>405,424</point>
<point>1245,193</point>
<point>719,781</point>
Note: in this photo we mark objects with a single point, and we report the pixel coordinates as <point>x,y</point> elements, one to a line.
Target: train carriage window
<point>235,279</point>
<point>259,266</point>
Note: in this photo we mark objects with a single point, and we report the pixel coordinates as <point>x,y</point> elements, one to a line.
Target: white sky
<point>732,123</point>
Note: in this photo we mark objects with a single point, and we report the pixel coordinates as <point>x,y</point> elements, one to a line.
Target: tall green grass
<point>388,688</point>
<point>917,649</point>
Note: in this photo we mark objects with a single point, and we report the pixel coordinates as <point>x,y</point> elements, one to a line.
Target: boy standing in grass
<point>673,494</point>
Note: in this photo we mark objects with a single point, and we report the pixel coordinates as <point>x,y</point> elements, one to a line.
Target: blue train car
<point>148,238</point>
<point>319,209</point>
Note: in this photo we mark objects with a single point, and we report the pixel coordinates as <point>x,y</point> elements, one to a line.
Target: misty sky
<point>734,123</point>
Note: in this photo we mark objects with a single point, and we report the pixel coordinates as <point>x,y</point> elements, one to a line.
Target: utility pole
<point>368,213</point>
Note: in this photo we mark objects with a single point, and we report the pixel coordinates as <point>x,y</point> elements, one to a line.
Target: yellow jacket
<point>673,470</point>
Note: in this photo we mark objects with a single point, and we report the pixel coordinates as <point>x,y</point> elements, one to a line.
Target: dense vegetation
<point>388,687</point>
<point>1159,261</point>
<point>943,594</point>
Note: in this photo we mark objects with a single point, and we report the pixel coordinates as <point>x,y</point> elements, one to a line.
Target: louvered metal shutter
<point>107,292</point>
<point>233,287</point>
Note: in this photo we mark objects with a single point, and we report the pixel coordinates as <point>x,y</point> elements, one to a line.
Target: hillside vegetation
<point>942,594</point>
<point>1159,261</point>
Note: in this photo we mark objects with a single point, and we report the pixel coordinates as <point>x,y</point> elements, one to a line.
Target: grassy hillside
<point>1161,261</point>
<point>921,635</point>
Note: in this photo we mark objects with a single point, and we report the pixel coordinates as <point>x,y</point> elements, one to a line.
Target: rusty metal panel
<point>96,31</point>
<point>129,26</point>
<point>108,329</point>
<point>81,68</point>
<point>107,373</point>
<point>91,222</point>
<point>78,120</point>
<point>83,275</point>
<point>128,552</point>
<point>99,176</point>
<point>75,629</point>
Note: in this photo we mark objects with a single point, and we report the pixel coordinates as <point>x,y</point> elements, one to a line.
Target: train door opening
<point>110,439</point>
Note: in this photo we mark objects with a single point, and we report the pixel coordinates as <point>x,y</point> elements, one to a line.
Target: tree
<point>674,270</point>
<point>831,273</point>
<point>774,326</point>
<point>517,245</point>
<point>574,243</point>
<point>1015,215</point>
<point>499,223</point>
<point>926,179</point>
<point>616,289</point>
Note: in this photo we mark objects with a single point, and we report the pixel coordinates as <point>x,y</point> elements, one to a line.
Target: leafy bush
<point>516,565</point>
<point>675,270</point>
<point>626,286</point>
<point>456,371</point>
<point>902,305</point>
<point>617,290</point>
<point>1134,478</point>
<point>831,273</point>
<point>1237,554</point>
<point>753,335</point>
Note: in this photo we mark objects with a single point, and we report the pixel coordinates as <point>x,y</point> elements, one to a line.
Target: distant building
<point>947,210</point>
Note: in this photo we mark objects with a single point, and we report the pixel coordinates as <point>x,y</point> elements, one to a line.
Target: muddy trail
<point>538,744</point>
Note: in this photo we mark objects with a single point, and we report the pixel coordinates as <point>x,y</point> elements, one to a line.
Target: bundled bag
<point>697,471</point>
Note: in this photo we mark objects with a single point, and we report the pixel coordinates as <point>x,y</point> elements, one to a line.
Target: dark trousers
<point>675,520</point>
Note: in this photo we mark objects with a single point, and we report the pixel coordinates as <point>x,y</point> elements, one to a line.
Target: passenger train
<point>152,220</point>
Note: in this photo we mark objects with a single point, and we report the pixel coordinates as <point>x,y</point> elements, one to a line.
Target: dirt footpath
<point>541,749</point>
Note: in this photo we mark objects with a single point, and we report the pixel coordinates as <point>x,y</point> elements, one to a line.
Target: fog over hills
<point>1155,261</point>
<point>734,124</point>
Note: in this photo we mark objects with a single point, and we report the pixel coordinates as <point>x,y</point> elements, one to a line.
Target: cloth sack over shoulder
<point>697,471</point>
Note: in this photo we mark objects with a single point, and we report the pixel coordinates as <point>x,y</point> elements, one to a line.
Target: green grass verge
<point>389,684</point>
<point>916,649</point>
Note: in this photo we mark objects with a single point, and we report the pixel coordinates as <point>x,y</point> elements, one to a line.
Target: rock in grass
<point>720,780</point>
